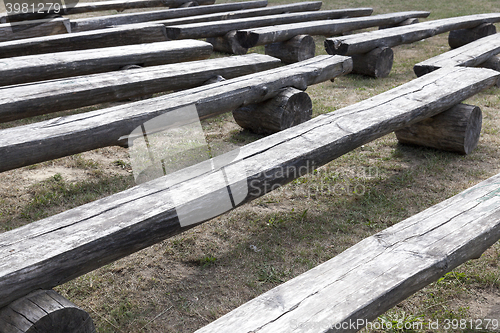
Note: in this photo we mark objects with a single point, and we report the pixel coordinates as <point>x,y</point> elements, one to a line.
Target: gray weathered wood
<point>460,37</point>
<point>284,32</point>
<point>84,40</point>
<point>367,41</point>
<point>298,48</point>
<point>193,14</point>
<point>493,63</point>
<point>36,28</point>
<point>376,63</point>
<point>289,108</point>
<point>220,28</point>
<point>405,22</point>
<point>28,100</point>
<point>29,144</point>
<point>227,44</point>
<point>57,249</point>
<point>347,292</point>
<point>44,311</point>
<point>72,63</point>
<point>456,130</point>
<point>469,55</point>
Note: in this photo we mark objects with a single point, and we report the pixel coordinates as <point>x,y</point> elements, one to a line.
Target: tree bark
<point>461,37</point>
<point>298,48</point>
<point>227,44</point>
<point>376,63</point>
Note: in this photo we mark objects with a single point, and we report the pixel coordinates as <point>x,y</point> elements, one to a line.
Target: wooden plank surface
<point>194,14</point>
<point>59,248</point>
<point>84,40</point>
<point>28,100</point>
<point>367,41</point>
<point>469,55</point>
<point>283,32</point>
<point>220,28</point>
<point>29,144</point>
<point>36,28</point>
<point>352,289</point>
<point>72,63</point>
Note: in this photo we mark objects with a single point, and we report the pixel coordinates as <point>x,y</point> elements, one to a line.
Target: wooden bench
<point>35,28</point>
<point>23,101</point>
<point>57,249</point>
<point>361,45</point>
<point>347,292</point>
<point>72,63</point>
<point>469,55</point>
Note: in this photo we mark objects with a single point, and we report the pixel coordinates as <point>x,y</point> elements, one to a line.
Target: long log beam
<point>72,63</point>
<point>250,37</point>
<point>57,249</point>
<point>367,41</point>
<point>36,28</point>
<point>29,100</point>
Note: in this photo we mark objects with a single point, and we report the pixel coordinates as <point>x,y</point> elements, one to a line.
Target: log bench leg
<point>297,49</point>
<point>376,63</point>
<point>227,44</point>
<point>456,130</point>
<point>460,37</point>
<point>44,311</point>
<point>289,108</point>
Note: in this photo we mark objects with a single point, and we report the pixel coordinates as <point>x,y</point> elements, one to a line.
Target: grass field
<point>186,282</point>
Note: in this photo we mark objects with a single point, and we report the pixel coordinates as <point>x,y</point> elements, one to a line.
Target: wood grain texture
<point>194,14</point>
<point>456,130</point>
<point>28,100</point>
<point>220,28</point>
<point>469,55</point>
<point>283,32</point>
<point>298,48</point>
<point>376,63</point>
<point>84,40</point>
<point>25,145</point>
<point>73,63</point>
<point>227,44</point>
<point>367,41</point>
<point>36,28</point>
<point>59,248</point>
<point>352,289</point>
<point>461,37</point>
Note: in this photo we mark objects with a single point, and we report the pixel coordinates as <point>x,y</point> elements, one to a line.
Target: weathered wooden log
<point>367,41</point>
<point>409,21</point>
<point>73,63</point>
<point>23,101</point>
<point>215,79</point>
<point>106,127</point>
<point>376,63</point>
<point>298,48</point>
<point>59,248</point>
<point>350,290</point>
<point>220,28</point>
<point>456,130</point>
<point>461,37</point>
<point>188,4</point>
<point>193,14</point>
<point>283,32</point>
<point>470,55</point>
<point>44,311</point>
<point>84,40</point>
<point>36,28</point>
<point>493,63</point>
<point>227,44</point>
<point>289,108</point>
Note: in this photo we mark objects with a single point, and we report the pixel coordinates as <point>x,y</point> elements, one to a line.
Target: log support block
<point>456,129</point>
<point>44,311</point>
<point>227,44</point>
<point>289,108</point>
<point>460,37</point>
<point>376,63</point>
<point>297,49</point>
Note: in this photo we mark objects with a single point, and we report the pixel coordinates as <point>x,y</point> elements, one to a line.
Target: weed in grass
<point>269,274</point>
<point>207,261</point>
<point>401,322</point>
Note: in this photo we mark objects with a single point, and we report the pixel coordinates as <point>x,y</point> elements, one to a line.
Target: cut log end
<point>227,44</point>
<point>291,107</point>
<point>460,37</point>
<point>376,63</point>
<point>299,48</point>
<point>456,130</point>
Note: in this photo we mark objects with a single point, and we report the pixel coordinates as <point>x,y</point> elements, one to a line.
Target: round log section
<point>227,44</point>
<point>44,311</point>
<point>289,108</point>
<point>460,37</point>
<point>297,49</point>
<point>456,130</point>
<point>376,63</point>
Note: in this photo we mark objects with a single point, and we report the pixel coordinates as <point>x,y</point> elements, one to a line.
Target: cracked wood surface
<point>374,275</point>
<point>57,249</point>
<point>469,55</point>
<point>283,32</point>
<point>367,41</point>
